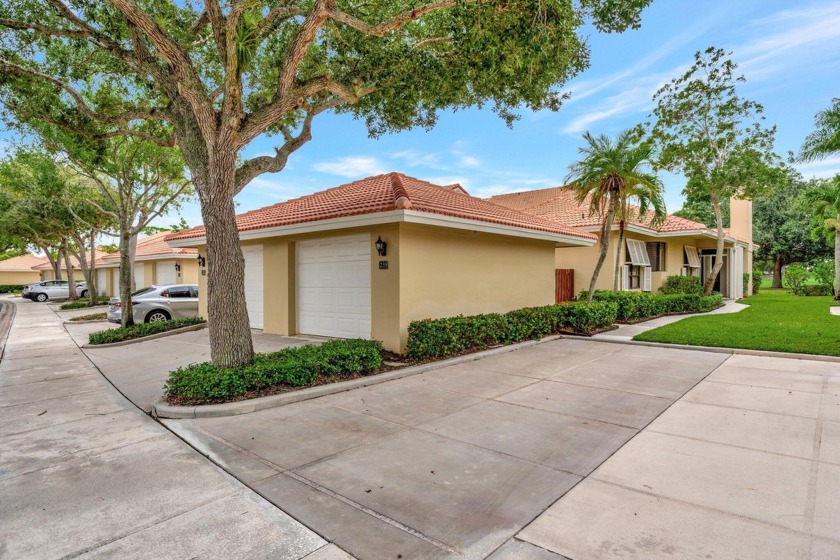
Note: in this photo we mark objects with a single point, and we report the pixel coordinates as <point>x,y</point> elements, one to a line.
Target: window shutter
<point>692,258</point>
<point>646,283</point>
<point>638,252</point>
<point>625,277</point>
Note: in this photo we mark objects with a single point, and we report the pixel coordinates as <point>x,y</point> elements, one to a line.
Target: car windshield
<point>143,292</point>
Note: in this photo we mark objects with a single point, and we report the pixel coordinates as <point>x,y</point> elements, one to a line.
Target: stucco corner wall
<point>444,273</point>
<point>14,277</point>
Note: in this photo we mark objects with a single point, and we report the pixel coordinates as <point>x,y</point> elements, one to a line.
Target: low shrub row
<point>203,383</point>
<point>83,303</point>
<point>633,306</point>
<point>681,285</point>
<point>10,288</point>
<point>437,338</point>
<point>140,330</point>
<point>812,290</point>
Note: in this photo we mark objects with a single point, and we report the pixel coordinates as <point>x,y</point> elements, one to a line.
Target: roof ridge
<point>401,198</point>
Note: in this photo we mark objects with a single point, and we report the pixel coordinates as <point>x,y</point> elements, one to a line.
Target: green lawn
<point>774,321</point>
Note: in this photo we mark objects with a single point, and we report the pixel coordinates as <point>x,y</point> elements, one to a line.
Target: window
<point>194,291</point>
<point>635,277</point>
<point>178,292</point>
<point>691,261</point>
<point>656,255</point>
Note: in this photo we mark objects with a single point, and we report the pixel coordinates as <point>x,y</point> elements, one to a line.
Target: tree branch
<point>43,30</point>
<point>395,22</point>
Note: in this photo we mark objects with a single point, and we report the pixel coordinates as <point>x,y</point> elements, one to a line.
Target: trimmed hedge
<point>11,288</point>
<point>140,330</point>
<point>84,303</point>
<point>437,338</point>
<point>296,367</point>
<point>633,306</point>
<point>682,285</point>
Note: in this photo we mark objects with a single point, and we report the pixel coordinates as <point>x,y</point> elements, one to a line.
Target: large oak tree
<point>212,78</point>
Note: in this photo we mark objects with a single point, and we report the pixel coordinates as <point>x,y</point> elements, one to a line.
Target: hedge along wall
<point>437,338</point>
<point>633,306</point>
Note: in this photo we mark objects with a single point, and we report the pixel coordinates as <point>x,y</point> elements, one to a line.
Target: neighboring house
<point>155,263</point>
<point>366,258</point>
<point>17,271</point>
<point>677,247</point>
<point>47,273</point>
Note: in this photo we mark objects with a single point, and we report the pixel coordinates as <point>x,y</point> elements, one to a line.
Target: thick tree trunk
<point>71,282</point>
<point>837,259</point>
<point>777,272</point>
<point>132,255</point>
<point>618,254</point>
<point>126,282</point>
<point>86,265</point>
<point>710,279</point>
<point>56,266</point>
<point>230,331</point>
<point>606,232</point>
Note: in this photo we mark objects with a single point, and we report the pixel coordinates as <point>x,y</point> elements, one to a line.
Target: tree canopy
<point>825,139</point>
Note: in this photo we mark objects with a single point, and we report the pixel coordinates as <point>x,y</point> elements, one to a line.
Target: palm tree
<point>825,201</point>
<point>607,174</point>
<point>825,140</point>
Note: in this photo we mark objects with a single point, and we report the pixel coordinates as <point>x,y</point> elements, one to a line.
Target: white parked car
<point>53,289</point>
<point>159,303</point>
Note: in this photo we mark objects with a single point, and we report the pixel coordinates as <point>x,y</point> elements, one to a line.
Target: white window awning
<point>638,252</point>
<point>693,257</point>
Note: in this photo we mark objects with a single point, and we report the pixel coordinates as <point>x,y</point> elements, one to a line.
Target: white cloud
<point>353,167</point>
<point>469,161</point>
<point>821,169</point>
<point>415,158</point>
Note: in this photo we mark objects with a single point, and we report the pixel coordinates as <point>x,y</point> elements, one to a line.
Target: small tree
<point>795,276</point>
<point>824,272</point>
<point>706,131</point>
<point>211,80</point>
<point>609,174</point>
<point>825,202</point>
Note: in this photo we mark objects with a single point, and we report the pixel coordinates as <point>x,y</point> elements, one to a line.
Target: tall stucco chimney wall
<point>740,219</point>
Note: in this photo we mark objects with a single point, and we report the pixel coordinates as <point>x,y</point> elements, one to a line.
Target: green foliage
<point>823,272</point>
<point>746,284</point>
<point>757,280</point>
<point>140,330</point>
<point>10,288</point>
<point>91,317</point>
<point>698,207</point>
<point>681,285</point>
<point>87,303</point>
<point>825,140</point>
<point>438,338</point>
<point>812,290</point>
<point>634,306</point>
<point>775,320</point>
<point>795,276</point>
<point>296,367</point>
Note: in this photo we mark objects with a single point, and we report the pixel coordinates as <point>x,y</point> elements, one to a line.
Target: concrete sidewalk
<point>746,465</point>
<point>83,473</point>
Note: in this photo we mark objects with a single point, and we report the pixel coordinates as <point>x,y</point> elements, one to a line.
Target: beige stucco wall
<point>14,277</point>
<point>432,272</point>
<point>583,259</point>
<point>448,272</point>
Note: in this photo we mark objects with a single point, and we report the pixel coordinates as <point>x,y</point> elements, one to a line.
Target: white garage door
<point>115,279</point>
<point>165,271</point>
<point>333,286</point>
<point>254,284</point>
<point>101,281</point>
<point>139,276</point>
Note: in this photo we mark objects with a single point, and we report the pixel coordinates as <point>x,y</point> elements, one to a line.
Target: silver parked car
<point>53,289</point>
<point>159,303</point>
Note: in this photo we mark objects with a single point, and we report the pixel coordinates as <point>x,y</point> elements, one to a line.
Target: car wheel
<point>84,293</point>
<point>157,316</point>
<point>41,297</point>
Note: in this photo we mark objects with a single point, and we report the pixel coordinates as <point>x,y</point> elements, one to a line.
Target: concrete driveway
<point>139,370</point>
<point>455,462</point>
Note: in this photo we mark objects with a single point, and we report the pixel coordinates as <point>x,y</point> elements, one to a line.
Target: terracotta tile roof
<point>45,265</point>
<point>151,246</point>
<point>383,193</point>
<point>559,204</point>
<point>23,263</point>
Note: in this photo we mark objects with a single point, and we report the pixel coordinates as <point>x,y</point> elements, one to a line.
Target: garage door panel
<point>333,286</point>
<point>165,272</point>
<point>254,284</point>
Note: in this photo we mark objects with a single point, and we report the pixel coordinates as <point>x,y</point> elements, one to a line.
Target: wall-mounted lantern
<point>202,262</point>
<point>177,267</point>
<point>381,247</point>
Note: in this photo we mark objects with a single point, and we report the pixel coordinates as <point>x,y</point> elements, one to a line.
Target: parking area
<point>454,462</point>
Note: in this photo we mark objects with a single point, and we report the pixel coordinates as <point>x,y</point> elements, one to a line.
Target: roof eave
<point>397,216</point>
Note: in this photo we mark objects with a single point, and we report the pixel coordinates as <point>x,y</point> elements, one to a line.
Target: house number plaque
<point>383,265</point>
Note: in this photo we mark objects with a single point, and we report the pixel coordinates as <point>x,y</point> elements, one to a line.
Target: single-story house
<point>47,273</point>
<point>651,254</point>
<point>17,271</point>
<point>155,263</point>
<point>366,258</point>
